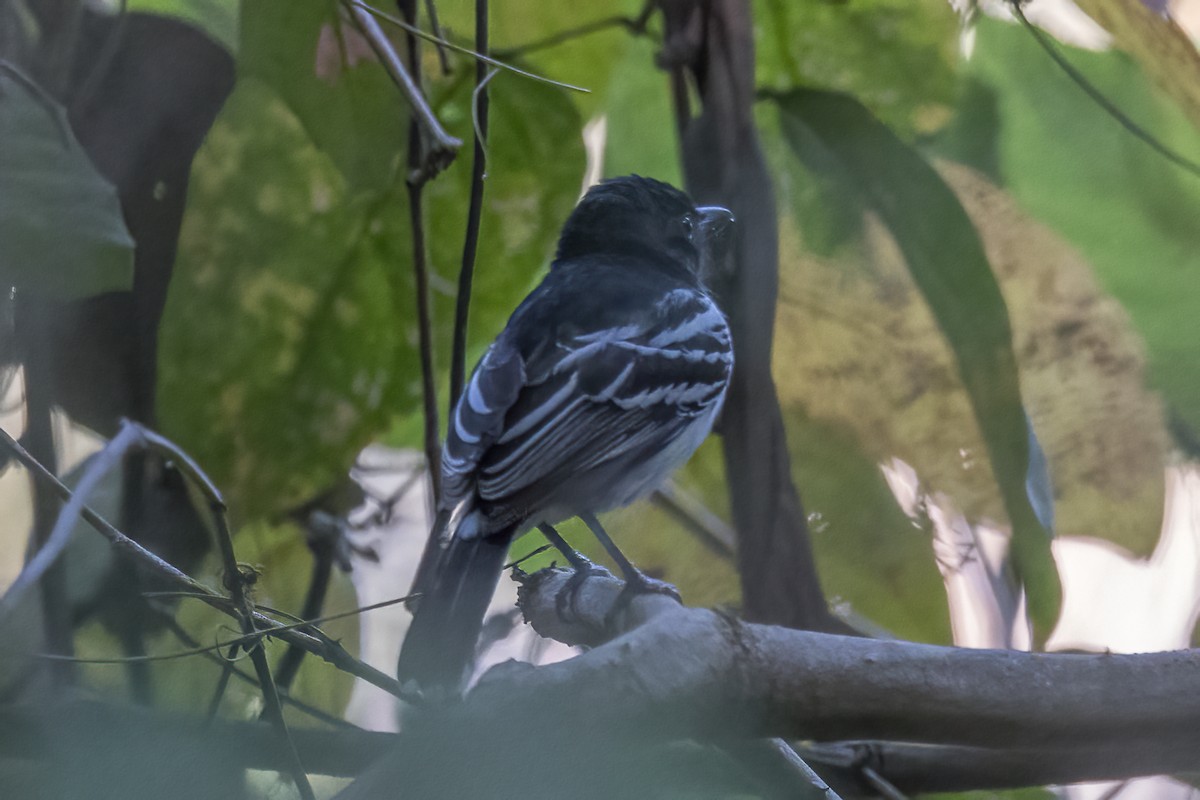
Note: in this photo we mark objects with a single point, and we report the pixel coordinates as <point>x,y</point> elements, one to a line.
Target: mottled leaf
<point>1131,213</point>
<point>947,261</point>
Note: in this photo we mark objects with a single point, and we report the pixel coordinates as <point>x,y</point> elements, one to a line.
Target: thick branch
<point>919,769</point>
<point>693,673</point>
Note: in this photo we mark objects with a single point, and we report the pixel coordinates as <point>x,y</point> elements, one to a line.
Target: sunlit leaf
<point>896,56</point>
<point>948,263</point>
<point>283,349</point>
<point>1158,43</point>
<point>1128,210</point>
<point>329,78</point>
<point>290,336</point>
<point>61,229</point>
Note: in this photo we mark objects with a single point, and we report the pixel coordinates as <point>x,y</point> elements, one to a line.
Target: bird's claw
<point>564,601</point>
<point>636,584</point>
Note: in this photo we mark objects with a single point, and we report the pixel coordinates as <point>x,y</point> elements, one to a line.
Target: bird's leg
<point>583,567</point>
<point>636,581</point>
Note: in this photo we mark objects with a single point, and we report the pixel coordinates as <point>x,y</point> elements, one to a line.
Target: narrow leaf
<point>948,264</point>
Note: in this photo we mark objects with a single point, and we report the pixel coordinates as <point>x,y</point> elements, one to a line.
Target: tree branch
<point>328,650</point>
<point>693,673</point>
<point>466,273</point>
<point>711,46</point>
<point>918,769</point>
<point>442,147</point>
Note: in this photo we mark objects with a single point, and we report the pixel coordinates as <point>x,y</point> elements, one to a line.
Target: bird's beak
<point>716,222</point>
<point>716,232</point>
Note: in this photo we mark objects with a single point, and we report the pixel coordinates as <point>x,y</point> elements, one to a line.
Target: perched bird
<point>606,379</point>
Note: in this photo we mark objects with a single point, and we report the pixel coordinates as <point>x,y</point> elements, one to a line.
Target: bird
<point>606,378</point>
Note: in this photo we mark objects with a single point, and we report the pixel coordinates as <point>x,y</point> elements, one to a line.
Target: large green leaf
<point>326,74</point>
<point>290,335</point>
<point>1131,213</point>
<point>947,261</point>
<point>282,348</point>
<point>61,229</point>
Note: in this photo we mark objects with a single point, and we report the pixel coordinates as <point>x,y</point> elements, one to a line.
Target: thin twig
<point>314,601</point>
<point>326,649</point>
<point>635,26</point>
<point>789,755</point>
<point>712,531</point>
<point>1098,97</point>
<point>236,583</point>
<point>227,668</point>
<point>882,785</point>
<point>436,27</point>
<point>466,273</point>
<point>60,536</point>
<point>418,175</point>
<point>442,146</point>
<point>248,640</point>
<point>420,34</point>
<point>312,711</point>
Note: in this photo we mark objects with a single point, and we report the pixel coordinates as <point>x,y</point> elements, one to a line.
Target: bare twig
<point>326,649</point>
<point>442,147</point>
<point>710,529</point>
<point>246,640</point>
<point>635,26</point>
<point>312,711</point>
<point>236,582</point>
<point>314,600</point>
<point>436,27</point>
<point>1097,96</point>
<point>466,273</point>
<point>104,462</point>
<point>227,669</point>
<point>418,174</point>
<point>420,34</point>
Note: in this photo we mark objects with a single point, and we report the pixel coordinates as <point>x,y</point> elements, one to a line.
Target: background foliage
<point>947,227</point>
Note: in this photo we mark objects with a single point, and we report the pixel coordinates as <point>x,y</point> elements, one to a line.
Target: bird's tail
<point>439,649</point>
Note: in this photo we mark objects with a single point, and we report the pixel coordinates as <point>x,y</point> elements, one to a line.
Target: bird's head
<point>643,218</point>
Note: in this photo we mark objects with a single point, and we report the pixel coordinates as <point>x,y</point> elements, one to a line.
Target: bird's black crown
<point>635,217</point>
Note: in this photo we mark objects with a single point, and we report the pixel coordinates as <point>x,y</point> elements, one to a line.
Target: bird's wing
<point>478,419</point>
<point>603,394</point>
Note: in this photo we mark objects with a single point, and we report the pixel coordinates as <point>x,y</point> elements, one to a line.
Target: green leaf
<point>534,176</point>
<point>1131,213</point>
<point>61,229</point>
<point>283,349</point>
<point>217,18</point>
<point>947,261</point>
<point>327,75</point>
<point>289,339</point>
<point>896,56</point>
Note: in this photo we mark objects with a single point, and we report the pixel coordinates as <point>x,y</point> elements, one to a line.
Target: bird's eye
<point>688,225</point>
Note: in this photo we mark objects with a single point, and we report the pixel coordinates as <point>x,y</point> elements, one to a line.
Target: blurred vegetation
<point>289,338</point>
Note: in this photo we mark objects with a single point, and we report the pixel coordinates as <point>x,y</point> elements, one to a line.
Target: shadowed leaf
<point>61,229</point>
<point>947,261</point>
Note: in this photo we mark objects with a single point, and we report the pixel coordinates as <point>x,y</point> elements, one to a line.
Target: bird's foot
<point>564,601</point>
<point>638,583</point>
